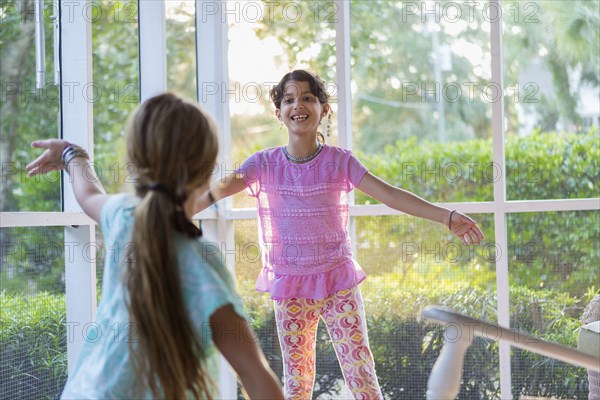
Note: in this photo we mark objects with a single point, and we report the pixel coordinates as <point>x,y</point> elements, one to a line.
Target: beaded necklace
<point>303,159</point>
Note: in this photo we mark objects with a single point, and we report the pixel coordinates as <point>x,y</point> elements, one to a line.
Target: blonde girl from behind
<point>174,301</point>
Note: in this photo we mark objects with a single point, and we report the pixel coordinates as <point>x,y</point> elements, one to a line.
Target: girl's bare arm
<point>230,185</point>
<point>242,351</point>
<point>399,199</point>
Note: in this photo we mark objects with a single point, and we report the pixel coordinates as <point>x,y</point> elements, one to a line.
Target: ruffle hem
<point>313,286</point>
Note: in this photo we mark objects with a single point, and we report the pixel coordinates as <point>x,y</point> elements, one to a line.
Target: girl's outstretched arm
<point>234,337</point>
<point>88,190</point>
<point>399,199</point>
<point>232,184</point>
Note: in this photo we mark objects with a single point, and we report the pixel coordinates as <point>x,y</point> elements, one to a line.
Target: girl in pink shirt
<point>301,193</point>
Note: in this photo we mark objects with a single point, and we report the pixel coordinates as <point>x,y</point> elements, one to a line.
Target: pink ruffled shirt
<point>303,222</point>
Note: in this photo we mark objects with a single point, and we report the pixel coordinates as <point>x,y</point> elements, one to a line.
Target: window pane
<point>33,338</point>
<point>552,105</point>
<point>116,74</point>
<point>27,113</point>
<point>181,48</point>
<point>265,42</point>
<point>258,306</point>
<point>411,264</point>
<point>553,267</point>
<point>422,95</point>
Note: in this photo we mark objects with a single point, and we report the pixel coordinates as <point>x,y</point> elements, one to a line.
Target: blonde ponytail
<point>172,143</point>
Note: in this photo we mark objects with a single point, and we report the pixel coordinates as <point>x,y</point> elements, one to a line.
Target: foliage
<point>394,74</point>
<point>28,114</point>
<point>114,40</point>
<point>545,165</point>
<point>32,260</point>
<point>33,340</point>
<point>392,69</point>
<point>554,249</point>
<point>561,37</point>
<point>181,39</point>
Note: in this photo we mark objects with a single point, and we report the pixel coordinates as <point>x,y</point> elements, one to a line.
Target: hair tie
<point>159,187</point>
<point>182,224</point>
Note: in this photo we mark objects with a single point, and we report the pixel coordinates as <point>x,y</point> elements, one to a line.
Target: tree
<point>26,114</point>
<point>393,70</point>
<point>393,65</point>
<point>564,37</point>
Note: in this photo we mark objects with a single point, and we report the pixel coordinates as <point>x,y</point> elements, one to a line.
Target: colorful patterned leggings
<point>344,316</point>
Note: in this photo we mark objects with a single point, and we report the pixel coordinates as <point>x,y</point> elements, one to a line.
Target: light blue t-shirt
<point>103,369</point>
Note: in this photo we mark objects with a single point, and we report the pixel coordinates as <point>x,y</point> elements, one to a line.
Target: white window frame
<point>76,116</point>
<point>212,71</point>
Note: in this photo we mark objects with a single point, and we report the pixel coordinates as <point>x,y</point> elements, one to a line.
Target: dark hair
<point>317,86</point>
<point>173,145</point>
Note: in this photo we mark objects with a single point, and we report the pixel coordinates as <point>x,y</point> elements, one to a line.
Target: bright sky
<point>252,62</point>
<point>255,62</point>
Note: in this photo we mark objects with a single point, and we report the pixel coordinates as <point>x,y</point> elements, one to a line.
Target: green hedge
<point>33,342</point>
<point>557,250</point>
<point>405,347</point>
<point>33,346</point>
<point>544,165</point>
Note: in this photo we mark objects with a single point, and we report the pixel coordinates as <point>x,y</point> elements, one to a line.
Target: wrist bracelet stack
<point>72,151</point>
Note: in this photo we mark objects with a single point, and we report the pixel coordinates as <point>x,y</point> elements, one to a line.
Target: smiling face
<point>301,111</point>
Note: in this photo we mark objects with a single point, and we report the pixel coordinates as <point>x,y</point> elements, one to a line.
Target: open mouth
<point>299,118</point>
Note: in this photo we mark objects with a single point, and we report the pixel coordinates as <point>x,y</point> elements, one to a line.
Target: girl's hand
<point>49,160</point>
<point>465,228</point>
<point>87,188</point>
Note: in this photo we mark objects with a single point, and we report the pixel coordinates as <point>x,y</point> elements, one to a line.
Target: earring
<point>328,128</point>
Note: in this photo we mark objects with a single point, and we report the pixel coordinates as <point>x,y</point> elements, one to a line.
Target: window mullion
<point>213,72</point>
<point>500,228</point>
<point>77,127</point>
<point>153,48</point>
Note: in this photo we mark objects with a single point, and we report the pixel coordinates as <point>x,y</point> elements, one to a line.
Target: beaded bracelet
<point>72,151</point>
